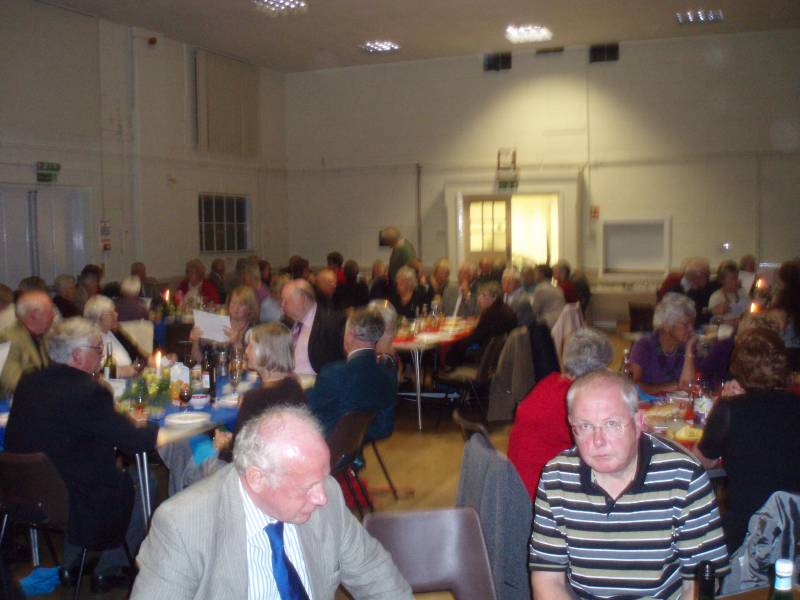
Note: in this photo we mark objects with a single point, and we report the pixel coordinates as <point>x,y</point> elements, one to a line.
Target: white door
<point>42,232</point>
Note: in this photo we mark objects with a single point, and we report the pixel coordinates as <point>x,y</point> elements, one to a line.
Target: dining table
<point>416,343</point>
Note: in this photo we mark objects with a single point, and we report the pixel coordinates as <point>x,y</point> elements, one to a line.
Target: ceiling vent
<point>604,53</point>
<point>499,61</point>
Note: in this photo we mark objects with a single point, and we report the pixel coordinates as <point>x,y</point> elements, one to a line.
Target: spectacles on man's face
<point>98,348</point>
<point>611,428</point>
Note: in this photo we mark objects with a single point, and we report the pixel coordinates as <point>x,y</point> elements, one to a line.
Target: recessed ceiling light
<point>523,34</point>
<point>379,46</point>
<point>281,7</point>
<point>691,17</point>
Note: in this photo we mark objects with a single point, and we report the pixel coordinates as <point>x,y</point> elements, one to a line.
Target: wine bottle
<point>109,365</point>
<point>704,581</point>
<point>784,574</point>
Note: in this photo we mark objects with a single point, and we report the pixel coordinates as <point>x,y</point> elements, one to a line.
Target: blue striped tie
<point>288,581</point>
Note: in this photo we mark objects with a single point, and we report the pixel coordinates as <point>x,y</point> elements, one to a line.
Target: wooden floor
<point>423,465</point>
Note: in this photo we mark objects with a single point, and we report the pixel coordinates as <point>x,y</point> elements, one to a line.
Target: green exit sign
<point>48,166</point>
<point>47,172</point>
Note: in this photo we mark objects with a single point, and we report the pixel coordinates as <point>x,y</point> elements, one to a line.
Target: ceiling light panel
<point>379,46</point>
<point>281,7</point>
<point>526,34</point>
<point>699,16</point>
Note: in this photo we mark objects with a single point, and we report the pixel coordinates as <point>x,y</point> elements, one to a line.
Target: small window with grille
<point>224,223</point>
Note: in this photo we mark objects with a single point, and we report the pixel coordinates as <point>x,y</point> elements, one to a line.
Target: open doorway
<point>518,229</point>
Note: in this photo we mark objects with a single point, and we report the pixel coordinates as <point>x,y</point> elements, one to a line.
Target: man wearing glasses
<point>623,513</point>
<point>64,412</point>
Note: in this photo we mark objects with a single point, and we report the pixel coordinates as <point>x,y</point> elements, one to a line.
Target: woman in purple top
<point>658,361</point>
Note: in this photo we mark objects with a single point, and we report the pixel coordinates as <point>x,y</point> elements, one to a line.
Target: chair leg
<point>77,593</point>
<point>51,547</point>
<point>353,494</point>
<point>3,529</point>
<point>33,532</point>
<point>363,490</point>
<point>383,468</point>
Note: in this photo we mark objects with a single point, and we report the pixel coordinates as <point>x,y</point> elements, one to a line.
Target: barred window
<point>224,223</point>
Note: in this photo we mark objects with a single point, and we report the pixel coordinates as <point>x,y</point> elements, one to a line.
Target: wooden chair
<point>437,550</point>
<point>469,428</point>
<point>345,443</point>
<point>34,495</point>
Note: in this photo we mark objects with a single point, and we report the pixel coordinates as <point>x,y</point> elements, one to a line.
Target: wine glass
<point>235,369</point>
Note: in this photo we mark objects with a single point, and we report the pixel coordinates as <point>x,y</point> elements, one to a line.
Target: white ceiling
<point>328,34</point>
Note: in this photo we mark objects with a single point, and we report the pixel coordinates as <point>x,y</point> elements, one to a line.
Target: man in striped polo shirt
<point>623,514</point>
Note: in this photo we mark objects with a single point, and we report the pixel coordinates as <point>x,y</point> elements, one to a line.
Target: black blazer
<point>326,340</point>
<point>66,414</point>
<point>497,319</point>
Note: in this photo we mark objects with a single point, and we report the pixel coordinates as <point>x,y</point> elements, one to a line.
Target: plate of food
<point>228,401</point>
<point>185,420</point>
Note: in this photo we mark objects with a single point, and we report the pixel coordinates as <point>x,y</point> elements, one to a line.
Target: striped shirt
<point>260,581</point>
<point>644,543</point>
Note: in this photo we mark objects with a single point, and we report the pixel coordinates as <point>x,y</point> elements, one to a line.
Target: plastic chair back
<point>468,428</point>
<point>32,490</point>
<point>347,438</point>
<point>438,550</point>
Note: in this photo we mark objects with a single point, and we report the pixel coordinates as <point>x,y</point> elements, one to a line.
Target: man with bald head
<point>272,525</point>
<point>317,334</point>
<point>27,354</point>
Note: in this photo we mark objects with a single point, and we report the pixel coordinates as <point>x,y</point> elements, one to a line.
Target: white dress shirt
<point>302,363</point>
<point>260,581</point>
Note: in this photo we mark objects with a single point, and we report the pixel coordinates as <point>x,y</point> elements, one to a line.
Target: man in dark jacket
<point>65,413</point>
<point>360,382</point>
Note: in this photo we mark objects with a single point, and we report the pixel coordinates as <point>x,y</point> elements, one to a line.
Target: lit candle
<point>158,363</point>
<point>760,283</point>
<point>754,307</point>
<point>166,296</point>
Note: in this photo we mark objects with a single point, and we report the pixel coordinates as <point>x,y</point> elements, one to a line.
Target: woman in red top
<point>540,428</point>
<point>196,285</point>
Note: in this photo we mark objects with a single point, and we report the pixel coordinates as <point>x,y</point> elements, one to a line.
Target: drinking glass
<point>235,369</point>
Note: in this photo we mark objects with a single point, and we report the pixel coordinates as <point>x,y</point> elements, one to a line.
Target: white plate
<point>187,419</point>
<point>429,338</point>
<point>3,419</point>
<point>228,401</point>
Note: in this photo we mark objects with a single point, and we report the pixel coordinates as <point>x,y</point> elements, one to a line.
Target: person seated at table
<point>496,318</point>
<point>64,412</point>
<point>35,315</point>
<point>408,297</point>
<point>695,285</point>
<point>729,297</point>
<point>786,306</point>
<point>216,277</point>
<point>540,429</point>
<point>130,306</point>
<point>64,299</point>
<point>358,383</point>
<point>325,285</point>
<point>561,274</point>
<point>32,283</point>
<point>747,263</point>
<point>658,359</point>
<point>351,293</point>
<point>317,334</point>
<point>548,300</point>
<point>334,261</point>
<point>196,289</point>
<point>623,514</point>
<point>384,348</point>
<point>754,433</point>
<point>148,284</point>
<point>242,308</point>
<point>439,280</point>
<point>7,315</point>
<point>88,284</point>
<point>516,297</point>
<point>379,282</point>
<point>100,310</point>
<point>459,300</point>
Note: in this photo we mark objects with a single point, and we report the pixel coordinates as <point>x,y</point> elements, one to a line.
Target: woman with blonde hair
<point>243,312</point>
<point>195,287</point>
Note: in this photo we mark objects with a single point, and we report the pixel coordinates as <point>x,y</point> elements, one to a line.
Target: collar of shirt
<point>308,319</point>
<point>254,519</point>
<point>645,454</point>
<point>357,350</point>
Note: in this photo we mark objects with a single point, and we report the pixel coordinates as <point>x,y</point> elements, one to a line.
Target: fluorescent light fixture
<point>524,34</point>
<point>696,17</point>
<point>281,7</point>
<point>379,46</point>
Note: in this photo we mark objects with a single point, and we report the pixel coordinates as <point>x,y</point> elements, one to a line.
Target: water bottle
<point>784,574</point>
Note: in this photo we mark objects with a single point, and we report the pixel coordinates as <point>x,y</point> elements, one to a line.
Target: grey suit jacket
<point>196,548</point>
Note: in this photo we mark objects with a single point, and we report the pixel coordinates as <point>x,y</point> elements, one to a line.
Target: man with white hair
<point>272,525</point>
<point>695,285</point>
<point>35,315</point>
<point>516,297</point>
<point>317,334</point>
<point>623,513</point>
<point>64,412</point>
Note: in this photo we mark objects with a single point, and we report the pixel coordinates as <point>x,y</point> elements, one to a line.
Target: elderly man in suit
<point>272,525</point>
<point>360,382</point>
<point>548,300</point>
<point>317,334</point>
<point>34,317</point>
<point>517,298</point>
<point>460,300</point>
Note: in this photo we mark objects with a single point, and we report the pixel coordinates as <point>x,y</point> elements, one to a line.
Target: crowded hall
<point>462,300</point>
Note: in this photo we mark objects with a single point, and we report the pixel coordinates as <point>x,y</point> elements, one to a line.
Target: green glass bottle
<point>784,574</point>
<point>704,581</point>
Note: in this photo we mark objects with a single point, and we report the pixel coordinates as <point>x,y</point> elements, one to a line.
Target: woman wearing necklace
<point>664,360</point>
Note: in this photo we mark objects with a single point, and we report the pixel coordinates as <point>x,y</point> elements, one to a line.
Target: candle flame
<point>754,307</point>
<point>760,283</point>
<point>158,360</point>
<point>166,296</point>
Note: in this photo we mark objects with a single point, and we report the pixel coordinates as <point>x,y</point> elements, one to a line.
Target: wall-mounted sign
<point>47,172</point>
<point>507,174</point>
<point>105,236</point>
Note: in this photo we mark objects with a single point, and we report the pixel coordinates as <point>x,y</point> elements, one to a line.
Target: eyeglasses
<point>611,428</point>
<point>98,348</point>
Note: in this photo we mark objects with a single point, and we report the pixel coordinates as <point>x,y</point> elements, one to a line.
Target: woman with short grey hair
<point>664,360</point>
<point>69,335</point>
<point>408,298</point>
<point>540,429</point>
<point>101,311</point>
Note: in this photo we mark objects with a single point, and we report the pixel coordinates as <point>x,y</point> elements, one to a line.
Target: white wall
<point>703,130</point>
<point>117,113</point>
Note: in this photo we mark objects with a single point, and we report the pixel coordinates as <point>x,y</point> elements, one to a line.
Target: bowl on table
<point>199,401</point>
